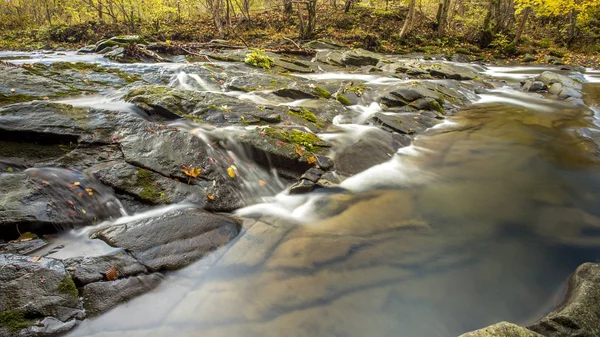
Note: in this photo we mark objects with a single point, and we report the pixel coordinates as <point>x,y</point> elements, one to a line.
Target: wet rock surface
<point>178,238</point>
<point>578,314</point>
<point>33,292</point>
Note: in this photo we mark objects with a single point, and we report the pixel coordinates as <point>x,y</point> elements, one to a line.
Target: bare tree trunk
<point>443,17</point>
<point>409,19</point>
<point>522,23</point>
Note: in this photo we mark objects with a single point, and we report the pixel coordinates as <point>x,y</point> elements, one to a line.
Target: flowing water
<point>482,219</point>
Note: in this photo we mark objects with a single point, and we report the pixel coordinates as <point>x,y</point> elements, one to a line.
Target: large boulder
<point>49,199</point>
<point>502,329</point>
<point>360,57</point>
<point>178,238</point>
<point>58,123</point>
<point>579,314</point>
<point>86,270</point>
<point>36,296</point>
<point>436,69</point>
<point>562,86</point>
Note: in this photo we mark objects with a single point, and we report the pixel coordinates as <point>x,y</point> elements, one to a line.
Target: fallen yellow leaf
<point>36,259</point>
<point>231,171</point>
<point>262,183</point>
<point>211,197</point>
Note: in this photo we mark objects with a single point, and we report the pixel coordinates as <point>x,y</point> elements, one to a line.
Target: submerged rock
<point>578,315</point>
<point>34,292</point>
<point>178,238</point>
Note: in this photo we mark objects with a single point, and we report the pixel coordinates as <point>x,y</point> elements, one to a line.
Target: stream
<point>481,219</point>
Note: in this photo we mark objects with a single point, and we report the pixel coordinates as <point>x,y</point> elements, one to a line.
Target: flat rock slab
<point>172,240</point>
<point>85,270</point>
<point>579,314</point>
<point>502,329</point>
<point>99,297</point>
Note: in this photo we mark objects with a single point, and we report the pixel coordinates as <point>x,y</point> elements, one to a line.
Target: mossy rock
<point>67,287</point>
<point>14,320</point>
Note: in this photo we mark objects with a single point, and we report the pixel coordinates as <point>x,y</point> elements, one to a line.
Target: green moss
<point>194,118</point>
<point>16,98</point>
<point>258,59</point>
<point>358,89</point>
<point>150,192</point>
<point>437,106</point>
<point>343,99</point>
<point>67,286</point>
<point>304,114</point>
<point>13,320</point>
<point>311,141</point>
<point>322,92</point>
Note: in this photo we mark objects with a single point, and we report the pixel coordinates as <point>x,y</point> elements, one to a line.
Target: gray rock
<point>178,238</point>
<point>277,147</point>
<point>502,329</point>
<point>302,186</point>
<point>99,297</point>
<point>61,123</point>
<point>529,58</point>
<point>578,315</point>
<point>312,174</point>
<point>22,247</point>
<point>534,86</point>
<point>360,57</point>
<point>375,147</point>
<point>28,86</point>
<point>36,290</point>
<point>148,186</point>
<point>85,270</point>
<point>406,123</point>
<point>550,78</point>
<point>33,200</point>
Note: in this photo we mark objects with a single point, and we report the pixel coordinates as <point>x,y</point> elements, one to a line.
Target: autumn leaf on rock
<point>299,150</point>
<point>311,160</point>
<point>231,171</point>
<point>262,183</point>
<point>211,197</point>
<point>191,171</point>
<point>112,273</point>
<point>36,259</point>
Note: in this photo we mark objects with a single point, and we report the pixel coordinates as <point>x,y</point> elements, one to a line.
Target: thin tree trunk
<point>443,17</point>
<point>409,19</point>
<point>522,23</point>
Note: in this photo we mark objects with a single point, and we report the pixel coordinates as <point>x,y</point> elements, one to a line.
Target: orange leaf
<point>211,197</point>
<point>311,160</point>
<point>112,273</point>
<point>36,259</point>
<point>299,150</point>
<point>262,183</point>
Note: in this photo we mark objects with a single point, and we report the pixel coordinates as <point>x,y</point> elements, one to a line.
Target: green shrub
<point>258,59</point>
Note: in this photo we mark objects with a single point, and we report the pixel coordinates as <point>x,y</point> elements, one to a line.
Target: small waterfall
<point>183,79</point>
<point>257,184</point>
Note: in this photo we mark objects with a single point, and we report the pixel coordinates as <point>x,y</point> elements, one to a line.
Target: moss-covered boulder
<point>290,150</point>
<point>33,292</point>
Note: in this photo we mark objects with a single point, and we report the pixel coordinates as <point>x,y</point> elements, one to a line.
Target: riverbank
<point>371,29</point>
